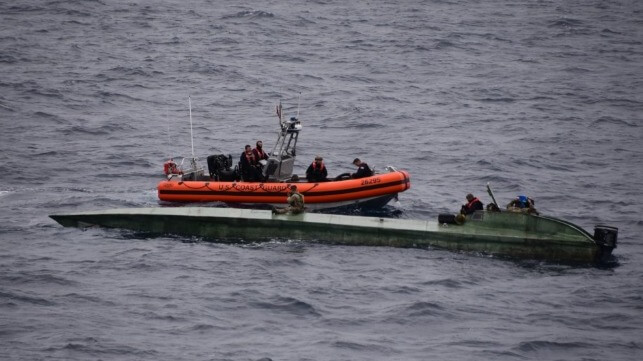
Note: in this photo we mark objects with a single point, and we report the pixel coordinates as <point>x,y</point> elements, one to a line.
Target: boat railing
<point>192,171</point>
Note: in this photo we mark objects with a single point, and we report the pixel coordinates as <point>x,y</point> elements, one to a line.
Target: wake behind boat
<point>270,183</point>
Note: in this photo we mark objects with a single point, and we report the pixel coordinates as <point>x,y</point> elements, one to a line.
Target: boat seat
<point>343,176</point>
<point>250,175</point>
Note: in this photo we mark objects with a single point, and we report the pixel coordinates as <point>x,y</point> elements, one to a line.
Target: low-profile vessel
<point>517,235</point>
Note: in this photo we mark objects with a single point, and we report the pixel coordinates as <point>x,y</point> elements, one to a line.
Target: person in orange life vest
<point>362,169</point>
<point>249,166</point>
<point>473,205</point>
<point>317,171</point>
<point>258,152</point>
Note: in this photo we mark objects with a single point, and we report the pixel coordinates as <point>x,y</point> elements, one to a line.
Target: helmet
<point>522,199</point>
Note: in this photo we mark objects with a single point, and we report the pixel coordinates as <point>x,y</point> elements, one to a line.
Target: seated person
<point>473,205</point>
<point>258,152</point>
<point>522,204</point>
<point>362,169</point>
<point>295,202</point>
<point>317,171</point>
<point>250,168</point>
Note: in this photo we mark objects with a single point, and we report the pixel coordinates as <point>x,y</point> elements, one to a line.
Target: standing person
<point>295,202</point>
<point>473,205</point>
<point>258,152</point>
<point>248,164</point>
<point>362,169</point>
<point>317,171</point>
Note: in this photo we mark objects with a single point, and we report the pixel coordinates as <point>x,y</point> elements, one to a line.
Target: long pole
<point>191,136</point>
<point>491,195</point>
<point>167,119</point>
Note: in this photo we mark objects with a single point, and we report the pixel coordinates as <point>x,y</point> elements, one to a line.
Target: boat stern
<point>606,239</point>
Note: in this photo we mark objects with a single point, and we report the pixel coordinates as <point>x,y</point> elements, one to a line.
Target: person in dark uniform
<point>258,152</point>
<point>473,204</point>
<point>317,171</point>
<point>249,165</point>
<point>362,169</point>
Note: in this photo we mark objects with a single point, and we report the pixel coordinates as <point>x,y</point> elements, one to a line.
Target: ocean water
<point>543,98</point>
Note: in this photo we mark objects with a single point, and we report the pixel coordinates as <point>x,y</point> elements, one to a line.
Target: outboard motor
<point>605,237</point>
<point>219,168</point>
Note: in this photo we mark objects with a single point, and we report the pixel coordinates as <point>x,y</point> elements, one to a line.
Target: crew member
<point>295,202</point>
<point>524,204</point>
<point>258,152</point>
<point>362,169</point>
<point>317,171</point>
<point>473,204</point>
<point>250,170</point>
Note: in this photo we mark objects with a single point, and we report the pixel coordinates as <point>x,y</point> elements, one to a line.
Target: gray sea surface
<point>543,98</point>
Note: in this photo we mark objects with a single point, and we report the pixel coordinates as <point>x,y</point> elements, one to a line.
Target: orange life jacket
<point>320,168</point>
<point>260,153</point>
<point>170,167</point>
<point>470,204</point>
<point>250,158</point>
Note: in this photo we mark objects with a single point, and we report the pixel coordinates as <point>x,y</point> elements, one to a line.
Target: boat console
<point>281,159</point>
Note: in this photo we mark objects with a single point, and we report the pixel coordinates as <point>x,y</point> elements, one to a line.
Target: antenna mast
<point>298,101</point>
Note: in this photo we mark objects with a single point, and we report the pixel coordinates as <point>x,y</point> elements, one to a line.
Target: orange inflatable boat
<point>374,191</point>
<point>235,184</point>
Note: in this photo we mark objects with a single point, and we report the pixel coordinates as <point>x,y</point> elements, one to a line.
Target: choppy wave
<point>17,299</point>
<point>535,98</point>
<point>250,14</point>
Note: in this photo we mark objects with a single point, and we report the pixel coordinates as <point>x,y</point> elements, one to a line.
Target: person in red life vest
<point>317,171</point>
<point>250,171</point>
<point>258,152</point>
<point>473,205</point>
<point>362,169</point>
<point>170,167</point>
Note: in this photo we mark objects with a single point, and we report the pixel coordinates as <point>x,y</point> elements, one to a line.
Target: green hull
<point>506,234</point>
